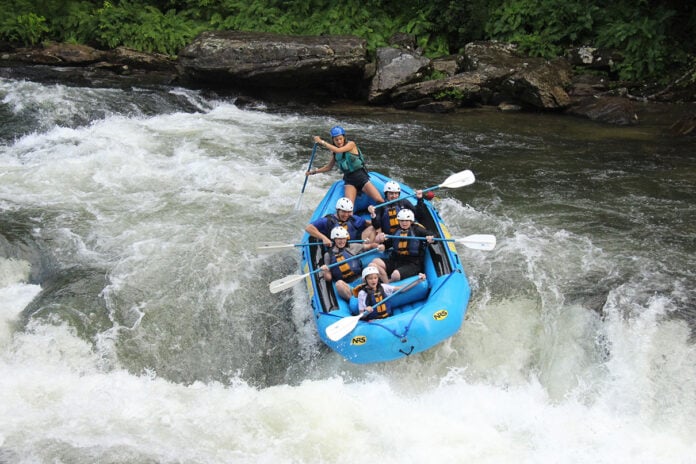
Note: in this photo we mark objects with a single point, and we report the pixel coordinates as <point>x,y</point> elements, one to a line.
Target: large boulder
<point>608,109</point>
<point>86,66</point>
<point>494,72</point>
<point>259,61</point>
<point>540,84</point>
<point>532,82</point>
<point>462,89</point>
<point>396,67</point>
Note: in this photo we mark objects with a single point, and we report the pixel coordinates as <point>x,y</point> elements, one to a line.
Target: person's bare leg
<point>396,275</point>
<point>343,290</point>
<point>372,192</point>
<point>381,267</point>
<point>350,192</point>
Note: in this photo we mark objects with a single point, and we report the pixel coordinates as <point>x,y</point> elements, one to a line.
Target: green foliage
<point>143,28</point>
<point>461,21</point>
<point>435,75</point>
<point>653,35</point>
<point>453,94</point>
<point>76,23</point>
<point>641,39</point>
<point>27,28</point>
<point>543,27</point>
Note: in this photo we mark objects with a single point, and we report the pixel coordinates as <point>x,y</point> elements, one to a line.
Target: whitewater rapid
<point>146,332</point>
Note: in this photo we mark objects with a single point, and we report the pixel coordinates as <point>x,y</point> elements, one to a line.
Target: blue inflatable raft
<point>425,315</point>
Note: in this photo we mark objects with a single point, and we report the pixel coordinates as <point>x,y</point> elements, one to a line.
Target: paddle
<point>290,280</point>
<point>311,160</point>
<point>476,242</point>
<point>460,179</point>
<point>345,325</point>
<point>272,247</point>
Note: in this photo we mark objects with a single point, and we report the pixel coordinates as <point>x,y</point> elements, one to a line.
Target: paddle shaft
<point>277,245</point>
<point>457,180</point>
<point>411,237</point>
<point>402,289</point>
<point>477,242</point>
<point>290,280</point>
<point>338,263</point>
<point>311,160</point>
<point>405,196</point>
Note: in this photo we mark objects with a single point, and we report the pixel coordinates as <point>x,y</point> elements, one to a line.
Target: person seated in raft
<point>384,218</point>
<point>371,291</point>
<point>357,227</point>
<point>407,255</point>
<point>350,161</point>
<point>345,273</point>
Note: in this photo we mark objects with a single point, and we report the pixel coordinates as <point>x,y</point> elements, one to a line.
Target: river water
<point>136,323</point>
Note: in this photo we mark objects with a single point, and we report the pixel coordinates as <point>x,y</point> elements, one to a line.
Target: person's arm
<point>421,211</point>
<point>421,276</point>
<point>326,272</point>
<point>362,306</point>
<point>348,146</point>
<point>420,231</point>
<point>312,230</point>
<point>326,168</point>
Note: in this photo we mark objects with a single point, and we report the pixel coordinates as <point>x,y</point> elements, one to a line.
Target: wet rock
<point>462,89</point>
<point>495,71</point>
<point>448,65</point>
<point>587,85</point>
<point>611,110</point>
<point>504,106</point>
<point>593,58</point>
<point>684,126</point>
<point>260,61</point>
<point>394,68</point>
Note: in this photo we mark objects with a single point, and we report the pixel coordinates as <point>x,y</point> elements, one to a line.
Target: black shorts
<point>406,269</point>
<point>357,179</point>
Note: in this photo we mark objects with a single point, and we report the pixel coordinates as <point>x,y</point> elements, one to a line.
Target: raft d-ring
<point>409,351</point>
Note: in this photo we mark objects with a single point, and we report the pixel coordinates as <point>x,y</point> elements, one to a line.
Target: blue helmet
<point>336,131</point>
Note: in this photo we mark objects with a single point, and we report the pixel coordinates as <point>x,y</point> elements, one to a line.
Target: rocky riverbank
<point>314,69</point>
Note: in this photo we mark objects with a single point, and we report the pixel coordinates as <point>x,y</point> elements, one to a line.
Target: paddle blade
<point>272,247</point>
<point>286,282</point>
<point>460,179</point>
<point>478,242</point>
<point>342,327</point>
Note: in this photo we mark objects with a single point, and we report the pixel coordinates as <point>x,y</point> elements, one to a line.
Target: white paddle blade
<point>478,242</point>
<point>286,282</point>
<point>342,327</point>
<point>460,179</point>
<point>272,247</point>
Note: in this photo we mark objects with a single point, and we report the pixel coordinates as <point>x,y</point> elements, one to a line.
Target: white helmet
<point>369,270</point>
<point>405,215</point>
<point>344,204</point>
<point>339,232</point>
<point>392,186</point>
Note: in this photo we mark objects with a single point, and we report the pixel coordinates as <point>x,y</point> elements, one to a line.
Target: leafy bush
<point>29,29</point>
<point>143,28</point>
<point>542,27</point>
<point>642,41</point>
<point>74,23</point>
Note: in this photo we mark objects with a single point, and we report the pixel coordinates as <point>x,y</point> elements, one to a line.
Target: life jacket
<point>347,271</point>
<point>373,297</point>
<point>407,247</point>
<point>348,162</point>
<point>389,223</point>
<point>349,225</point>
